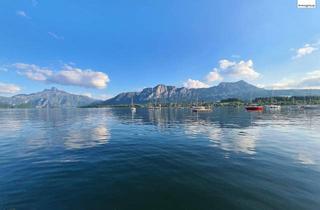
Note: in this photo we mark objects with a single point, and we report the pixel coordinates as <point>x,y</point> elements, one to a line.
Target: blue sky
<point>102,48</point>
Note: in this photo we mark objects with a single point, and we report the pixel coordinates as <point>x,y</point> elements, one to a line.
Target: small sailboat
<point>272,106</point>
<point>132,107</point>
<point>200,108</point>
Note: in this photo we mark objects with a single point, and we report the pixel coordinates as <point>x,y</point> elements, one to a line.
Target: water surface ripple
<point>159,159</point>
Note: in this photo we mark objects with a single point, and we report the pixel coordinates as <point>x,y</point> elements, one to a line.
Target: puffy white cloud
<point>6,88</point>
<point>311,81</point>
<point>22,14</point>
<point>224,64</point>
<point>190,83</point>
<point>68,75</point>
<point>240,70</point>
<point>227,69</point>
<point>33,72</point>
<point>74,76</point>
<point>305,50</point>
<point>213,76</point>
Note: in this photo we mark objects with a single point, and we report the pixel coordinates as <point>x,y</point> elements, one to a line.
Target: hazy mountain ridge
<point>52,98</point>
<point>172,94</point>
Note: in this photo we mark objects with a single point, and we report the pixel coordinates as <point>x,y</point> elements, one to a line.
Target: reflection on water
<point>306,159</point>
<point>73,128</point>
<point>229,140</point>
<point>85,137</point>
<point>159,159</point>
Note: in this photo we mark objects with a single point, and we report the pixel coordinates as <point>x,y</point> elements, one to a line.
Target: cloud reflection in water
<point>236,140</point>
<point>87,137</point>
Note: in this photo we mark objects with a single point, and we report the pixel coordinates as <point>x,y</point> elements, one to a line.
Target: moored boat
<point>133,108</point>
<point>254,108</point>
<point>273,107</point>
<point>201,109</point>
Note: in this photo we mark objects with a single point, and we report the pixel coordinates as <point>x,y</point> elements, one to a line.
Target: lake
<point>159,159</point>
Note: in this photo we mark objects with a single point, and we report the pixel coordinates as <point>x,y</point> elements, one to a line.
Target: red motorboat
<point>254,108</point>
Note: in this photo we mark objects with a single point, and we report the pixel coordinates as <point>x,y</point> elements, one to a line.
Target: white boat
<point>133,108</point>
<point>273,107</point>
<point>201,109</point>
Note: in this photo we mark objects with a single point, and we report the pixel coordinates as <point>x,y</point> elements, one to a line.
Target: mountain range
<point>171,94</point>
<point>52,98</point>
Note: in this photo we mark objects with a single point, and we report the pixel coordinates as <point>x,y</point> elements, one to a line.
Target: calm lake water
<point>162,159</point>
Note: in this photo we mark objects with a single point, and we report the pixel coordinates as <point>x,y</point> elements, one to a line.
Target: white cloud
<point>240,70</point>
<point>22,14</point>
<point>283,84</point>
<point>190,83</point>
<point>6,88</point>
<point>33,72</point>
<point>213,76</point>
<point>227,69</point>
<point>68,75</point>
<point>260,85</point>
<point>55,36</point>
<point>224,64</point>
<point>305,50</point>
<point>310,81</point>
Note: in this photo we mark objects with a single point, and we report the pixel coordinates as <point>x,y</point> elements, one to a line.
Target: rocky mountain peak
<point>163,93</point>
<point>52,97</point>
<point>52,89</point>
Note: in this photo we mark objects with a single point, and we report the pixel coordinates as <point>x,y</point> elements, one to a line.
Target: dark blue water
<point>162,159</point>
